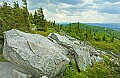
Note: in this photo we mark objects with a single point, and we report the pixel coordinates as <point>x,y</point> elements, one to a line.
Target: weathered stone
<point>34,53</point>
<point>18,74</point>
<point>62,40</point>
<point>74,47</point>
<point>83,59</point>
<point>6,69</point>
<point>96,59</point>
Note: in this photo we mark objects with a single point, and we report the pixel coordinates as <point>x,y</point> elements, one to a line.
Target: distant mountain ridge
<point>115,26</point>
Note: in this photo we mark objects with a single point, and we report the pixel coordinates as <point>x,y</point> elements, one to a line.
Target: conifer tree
<point>58,27</point>
<point>78,27</point>
<point>54,24</point>
<point>17,14</point>
<point>41,20</point>
<point>112,39</point>
<point>16,5</point>
<point>35,18</point>
<point>31,18</point>
<point>104,38</point>
<point>25,3</point>
<point>70,28</point>
<point>26,14</point>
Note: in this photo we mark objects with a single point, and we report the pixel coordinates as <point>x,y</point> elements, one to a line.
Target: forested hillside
<point>102,38</point>
<point>105,39</point>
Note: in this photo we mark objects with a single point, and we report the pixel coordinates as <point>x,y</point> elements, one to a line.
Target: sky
<point>84,11</point>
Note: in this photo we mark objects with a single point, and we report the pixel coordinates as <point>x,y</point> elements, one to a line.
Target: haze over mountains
<point>115,26</point>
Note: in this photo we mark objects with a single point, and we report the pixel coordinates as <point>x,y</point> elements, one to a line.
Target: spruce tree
<point>104,38</point>
<point>25,14</point>
<point>35,18</point>
<point>78,27</point>
<point>54,25</point>
<point>31,18</point>
<point>58,27</point>
<point>70,28</point>
<point>112,39</point>
<point>41,20</point>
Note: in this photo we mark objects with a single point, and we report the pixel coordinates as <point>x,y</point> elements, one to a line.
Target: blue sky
<point>104,11</point>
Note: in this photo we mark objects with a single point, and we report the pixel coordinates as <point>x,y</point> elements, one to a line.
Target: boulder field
<point>46,57</point>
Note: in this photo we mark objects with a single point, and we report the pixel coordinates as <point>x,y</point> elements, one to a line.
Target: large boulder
<point>74,48</point>
<point>34,53</point>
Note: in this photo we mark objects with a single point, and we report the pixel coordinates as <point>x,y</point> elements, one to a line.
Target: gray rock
<point>62,40</point>
<point>18,74</point>
<point>83,59</point>
<point>96,59</point>
<point>74,47</point>
<point>34,53</point>
<point>6,69</point>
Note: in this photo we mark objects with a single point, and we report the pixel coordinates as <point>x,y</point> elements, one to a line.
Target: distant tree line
<point>86,34</point>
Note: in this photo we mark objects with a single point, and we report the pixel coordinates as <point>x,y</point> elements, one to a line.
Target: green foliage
<point>70,28</point>
<point>112,39</point>
<point>70,71</point>
<point>31,18</point>
<point>97,71</point>
<point>107,60</point>
<point>104,38</point>
<point>78,27</point>
<point>13,17</point>
<point>2,59</point>
<point>40,20</point>
<point>82,75</point>
<point>101,38</point>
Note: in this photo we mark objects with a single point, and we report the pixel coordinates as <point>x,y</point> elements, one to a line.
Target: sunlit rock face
<point>75,48</point>
<point>34,53</point>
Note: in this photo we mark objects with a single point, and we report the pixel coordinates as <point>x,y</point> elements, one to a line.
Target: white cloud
<point>88,1</point>
<point>1,3</point>
<point>84,11</point>
<point>86,16</point>
<point>112,18</point>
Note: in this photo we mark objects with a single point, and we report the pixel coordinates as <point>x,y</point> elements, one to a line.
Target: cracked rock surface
<point>34,53</point>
